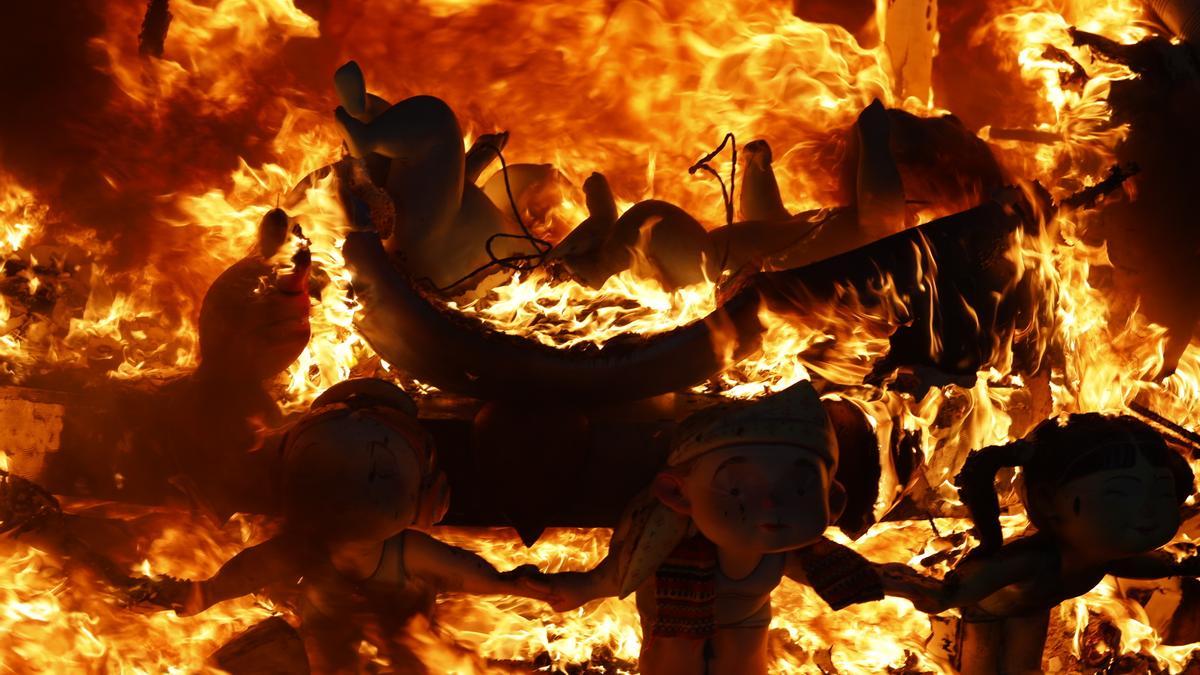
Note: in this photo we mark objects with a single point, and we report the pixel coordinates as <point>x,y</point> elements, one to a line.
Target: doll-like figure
<point>744,501</point>
<point>359,475</point>
<point>1103,493</point>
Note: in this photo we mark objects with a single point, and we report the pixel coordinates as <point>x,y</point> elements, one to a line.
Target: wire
<point>520,262</point>
<point>727,195</point>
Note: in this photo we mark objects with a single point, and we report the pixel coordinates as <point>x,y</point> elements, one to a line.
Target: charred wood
<point>153,37</point>
<point>1152,235</point>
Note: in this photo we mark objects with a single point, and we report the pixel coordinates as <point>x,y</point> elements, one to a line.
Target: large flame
<point>637,91</point>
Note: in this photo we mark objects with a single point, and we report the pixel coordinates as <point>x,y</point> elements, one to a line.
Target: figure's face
<point>1120,512</point>
<point>765,498</point>
<point>385,475</point>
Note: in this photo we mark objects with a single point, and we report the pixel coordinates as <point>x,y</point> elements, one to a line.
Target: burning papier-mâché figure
<point>359,481</point>
<point>1103,493</point>
<point>744,500</point>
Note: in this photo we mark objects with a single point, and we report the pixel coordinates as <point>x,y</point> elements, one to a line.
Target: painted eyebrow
<point>732,460</point>
<point>1124,478</point>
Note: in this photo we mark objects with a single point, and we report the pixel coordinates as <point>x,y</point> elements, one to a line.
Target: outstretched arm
<point>277,560</point>
<point>573,589</point>
<point>977,578</point>
<point>843,577</point>
<point>450,568</point>
<point>1156,565</point>
<point>280,559</point>
<point>925,592</point>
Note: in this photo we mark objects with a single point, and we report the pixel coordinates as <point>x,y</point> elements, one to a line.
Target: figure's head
<point>360,467</point>
<point>757,476</point>
<point>1109,486</point>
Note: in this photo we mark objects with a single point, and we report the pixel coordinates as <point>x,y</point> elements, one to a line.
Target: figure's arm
<point>1155,565</point>
<point>280,559</point>
<point>977,578</point>
<point>925,592</point>
<point>569,590</point>
<point>843,577</point>
<point>450,568</point>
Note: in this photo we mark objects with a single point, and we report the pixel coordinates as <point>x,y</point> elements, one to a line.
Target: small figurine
<point>447,227</point>
<point>359,476</point>
<point>744,500</point>
<point>1102,492</point>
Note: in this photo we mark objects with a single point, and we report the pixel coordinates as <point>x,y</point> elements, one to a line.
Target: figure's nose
<point>774,498</point>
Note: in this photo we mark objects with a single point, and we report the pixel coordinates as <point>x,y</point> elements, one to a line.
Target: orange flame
<point>637,91</point>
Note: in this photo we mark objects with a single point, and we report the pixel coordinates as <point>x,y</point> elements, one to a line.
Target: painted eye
<point>735,492</point>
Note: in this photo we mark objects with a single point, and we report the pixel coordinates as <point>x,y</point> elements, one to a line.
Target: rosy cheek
<point>733,507</point>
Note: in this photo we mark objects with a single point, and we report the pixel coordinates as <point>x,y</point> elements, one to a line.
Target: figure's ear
<point>668,487</point>
<point>433,499</point>
<point>837,500</point>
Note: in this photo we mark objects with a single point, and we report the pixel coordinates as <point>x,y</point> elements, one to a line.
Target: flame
<point>637,91</point>
<point>213,54</point>
<point>56,624</point>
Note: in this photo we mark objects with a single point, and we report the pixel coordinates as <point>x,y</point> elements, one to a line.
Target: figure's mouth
<point>773,527</point>
<point>1144,529</point>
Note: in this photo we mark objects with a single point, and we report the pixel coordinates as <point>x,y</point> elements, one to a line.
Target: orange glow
<point>637,91</point>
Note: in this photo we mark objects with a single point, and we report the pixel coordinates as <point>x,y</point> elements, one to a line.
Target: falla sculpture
<point>744,500</point>
<point>748,489</point>
<point>1103,494</point>
<point>359,483</point>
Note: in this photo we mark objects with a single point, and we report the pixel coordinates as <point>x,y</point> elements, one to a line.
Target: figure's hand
<point>529,582</point>
<point>569,591</point>
<point>926,593</point>
<point>184,596</point>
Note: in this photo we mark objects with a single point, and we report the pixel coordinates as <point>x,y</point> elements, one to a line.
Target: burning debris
<point>228,354</point>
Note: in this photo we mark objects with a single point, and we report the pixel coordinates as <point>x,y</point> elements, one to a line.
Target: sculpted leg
<point>981,648</point>
<point>1024,641</point>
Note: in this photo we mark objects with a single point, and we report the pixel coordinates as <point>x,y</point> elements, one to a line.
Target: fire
<point>514,629</point>
<point>562,314</point>
<point>637,91</point>
<point>214,51</point>
<point>19,220</point>
<point>56,624</point>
